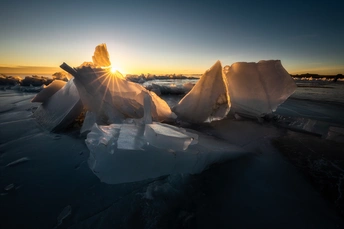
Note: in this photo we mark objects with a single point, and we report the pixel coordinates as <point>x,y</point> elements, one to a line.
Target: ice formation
<point>208,100</point>
<point>112,164</point>
<point>60,109</point>
<point>109,96</point>
<point>127,144</point>
<point>257,89</point>
<point>48,91</point>
<point>142,149</point>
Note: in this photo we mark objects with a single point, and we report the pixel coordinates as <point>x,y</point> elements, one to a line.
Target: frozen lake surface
<point>45,181</point>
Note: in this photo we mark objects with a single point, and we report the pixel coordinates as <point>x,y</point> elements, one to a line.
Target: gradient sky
<point>173,36</point>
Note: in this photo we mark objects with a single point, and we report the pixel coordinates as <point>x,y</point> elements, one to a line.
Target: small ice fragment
<point>9,187</point>
<point>16,162</point>
<point>57,137</point>
<point>64,214</point>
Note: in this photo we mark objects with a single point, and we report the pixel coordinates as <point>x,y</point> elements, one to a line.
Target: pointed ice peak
<point>101,57</point>
<point>208,100</point>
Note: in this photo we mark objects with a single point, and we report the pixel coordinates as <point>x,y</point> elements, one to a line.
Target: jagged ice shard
<point>208,100</point>
<point>257,89</point>
<point>61,108</point>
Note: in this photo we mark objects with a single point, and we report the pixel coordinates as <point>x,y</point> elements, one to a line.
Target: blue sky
<point>175,36</point>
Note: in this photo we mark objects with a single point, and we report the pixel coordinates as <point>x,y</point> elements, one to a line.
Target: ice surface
<point>259,88</point>
<point>247,192</point>
<point>60,109</point>
<point>208,100</point>
<point>48,91</point>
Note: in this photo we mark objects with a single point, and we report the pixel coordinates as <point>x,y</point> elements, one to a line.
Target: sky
<point>162,37</point>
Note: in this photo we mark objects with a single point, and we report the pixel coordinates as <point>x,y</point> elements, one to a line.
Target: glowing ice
<point>257,89</point>
<point>110,97</point>
<point>208,100</point>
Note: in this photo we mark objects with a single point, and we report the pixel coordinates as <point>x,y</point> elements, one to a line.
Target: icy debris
<point>64,214</point>
<point>9,187</point>
<point>60,109</point>
<point>170,89</point>
<point>48,91</point>
<point>208,100</point>
<point>257,89</point>
<point>306,125</point>
<point>19,161</point>
<point>335,134</point>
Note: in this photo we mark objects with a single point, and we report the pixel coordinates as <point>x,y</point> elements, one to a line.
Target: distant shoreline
<point>313,75</point>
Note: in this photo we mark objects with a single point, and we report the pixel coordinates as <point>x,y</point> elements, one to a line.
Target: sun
<point>113,69</point>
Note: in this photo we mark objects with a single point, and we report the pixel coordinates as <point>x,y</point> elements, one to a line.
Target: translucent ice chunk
<point>112,165</point>
<point>259,88</point>
<point>208,100</point>
<point>49,91</point>
<point>89,121</point>
<point>60,109</point>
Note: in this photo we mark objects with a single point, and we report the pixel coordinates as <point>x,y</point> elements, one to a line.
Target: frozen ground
<point>45,181</point>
